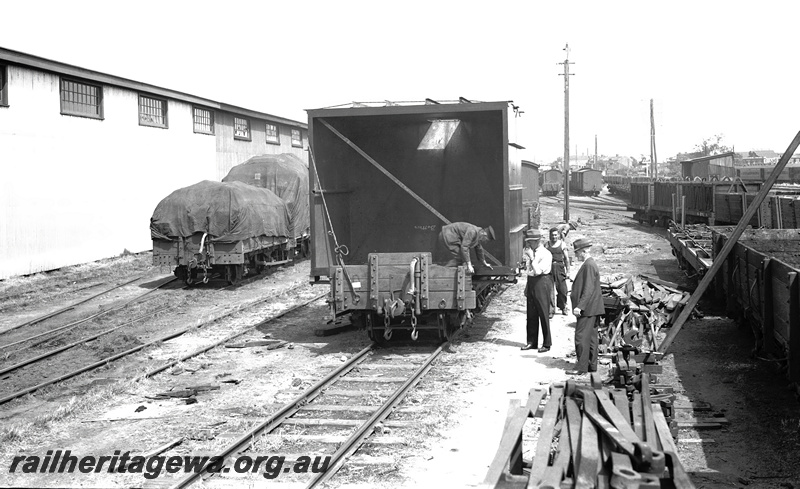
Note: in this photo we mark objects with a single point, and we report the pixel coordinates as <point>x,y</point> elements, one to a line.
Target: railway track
<point>599,205</point>
<point>359,405</point>
<point>225,336</point>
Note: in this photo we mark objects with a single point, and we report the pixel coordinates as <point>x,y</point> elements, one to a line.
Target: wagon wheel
<point>234,273</point>
<point>375,330</point>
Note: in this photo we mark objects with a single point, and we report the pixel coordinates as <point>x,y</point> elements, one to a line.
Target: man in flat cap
<point>587,303</point>
<point>537,262</point>
<point>460,237</point>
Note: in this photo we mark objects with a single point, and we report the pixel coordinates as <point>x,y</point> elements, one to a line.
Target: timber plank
<point>647,412</point>
<point>616,418</point>
<point>636,415</point>
<point>542,452</point>
<point>574,427</point>
<point>623,405</point>
<point>512,431</point>
<point>589,456</point>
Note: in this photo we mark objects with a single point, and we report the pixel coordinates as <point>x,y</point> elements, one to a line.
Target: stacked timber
<point>589,436</point>
<point>636,309</point>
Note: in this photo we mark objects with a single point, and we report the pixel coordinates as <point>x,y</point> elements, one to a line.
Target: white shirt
<point>537,261</point>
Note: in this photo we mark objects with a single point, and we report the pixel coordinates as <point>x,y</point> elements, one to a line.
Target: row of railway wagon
<point>380,183</point>
<point>583,181</point>
<point>256,217</point>
<point>758,279</point>
<point>709,191</point>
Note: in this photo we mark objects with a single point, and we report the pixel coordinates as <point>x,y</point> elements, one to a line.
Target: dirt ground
<point>464,398</point>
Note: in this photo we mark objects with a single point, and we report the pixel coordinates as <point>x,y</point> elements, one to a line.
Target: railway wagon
<point>693,202</point>
<point>551,181</point>
<point>759,282</point>
<point>384,182</point>
<point>709,167</point>
<point>618,184</point>
<point>220,228</point>
<point>789,175</point>
<point>286,175</point>
<point>530,181</point>
<point>586,181</point>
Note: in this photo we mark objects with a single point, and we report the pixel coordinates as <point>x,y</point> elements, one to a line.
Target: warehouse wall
<point>76,189</point>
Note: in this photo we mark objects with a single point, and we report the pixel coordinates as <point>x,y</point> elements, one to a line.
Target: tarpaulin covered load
<point>284,174</point>
<point>228,212</point>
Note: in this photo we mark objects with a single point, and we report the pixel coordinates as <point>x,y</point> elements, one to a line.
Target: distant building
<point>87,156</point>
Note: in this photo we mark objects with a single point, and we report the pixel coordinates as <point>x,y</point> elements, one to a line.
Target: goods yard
<point>299,360</point>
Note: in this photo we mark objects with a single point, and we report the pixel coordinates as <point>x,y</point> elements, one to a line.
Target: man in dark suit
<point>587,303</point>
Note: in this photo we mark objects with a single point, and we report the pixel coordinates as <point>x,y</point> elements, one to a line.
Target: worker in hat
<point>460,237</point>
<point>537,262</point>
<point>587,304</point>
<point>560,270</point>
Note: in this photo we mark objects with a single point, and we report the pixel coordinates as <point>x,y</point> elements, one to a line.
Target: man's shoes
<point>574,372</point>
<point>529,346</point>
<point>563,312</point>
<point>551,315</point>
<point>544,349</point>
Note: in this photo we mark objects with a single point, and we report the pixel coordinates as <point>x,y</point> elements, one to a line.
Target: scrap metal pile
<point>636,308</point>
<point>590,436</point>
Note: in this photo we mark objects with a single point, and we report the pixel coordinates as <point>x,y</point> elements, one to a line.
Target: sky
<point>710,67</point>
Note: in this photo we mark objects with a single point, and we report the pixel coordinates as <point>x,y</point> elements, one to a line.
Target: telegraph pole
<point>653,162</point>
<point>595,152</point>
<point>566,76</point>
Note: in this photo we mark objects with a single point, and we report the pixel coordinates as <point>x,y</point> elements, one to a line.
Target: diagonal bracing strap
<point>395,179</point>
<point>385,171</point>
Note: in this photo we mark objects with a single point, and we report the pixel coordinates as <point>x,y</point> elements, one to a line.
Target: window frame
<point>211,115</point>
<point>164,111</point>
<point>3,85</point>
<point>249,136</point>
<point>100,98</point>
<point>277,139</point>
<point>297,143</point>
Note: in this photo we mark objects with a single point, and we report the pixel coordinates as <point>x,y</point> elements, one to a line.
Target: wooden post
<point>683,212</point>
<point>674,210</point>
<point>767,307</point>
<point>566,75</point>
<point>794,327</point>
<point>734,237</point>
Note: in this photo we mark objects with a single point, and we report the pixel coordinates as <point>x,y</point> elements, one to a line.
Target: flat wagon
<point>286,176</point>
<point>219,228</point>
<point>384,182</point>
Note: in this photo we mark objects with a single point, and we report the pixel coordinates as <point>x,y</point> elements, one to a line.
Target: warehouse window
<point>297,139</point>
<point>272,134</point>
<point>81,99</point>
<point>152,111</point>
<point>3,86</point>
<point>241,128</point>
<point>203,120</point>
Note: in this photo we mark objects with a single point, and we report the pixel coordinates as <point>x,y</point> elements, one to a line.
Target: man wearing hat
<point>560,270</point>
<point>537,262</point>
<point>587,303</point>
<point>460,237</point>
